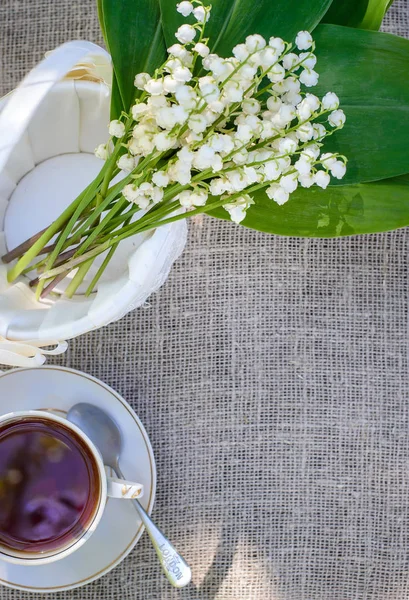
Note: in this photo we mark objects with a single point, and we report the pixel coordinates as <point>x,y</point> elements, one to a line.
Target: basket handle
<point>25,99</point>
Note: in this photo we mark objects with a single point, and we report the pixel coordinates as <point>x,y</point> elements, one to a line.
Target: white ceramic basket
<point>49,128</point>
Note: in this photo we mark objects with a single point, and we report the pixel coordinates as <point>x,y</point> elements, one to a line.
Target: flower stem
<point>79,277</point>
<point>50,286</point>
<point>74,262</point>
<point>22,248</point>
<point>120,205</point>
<point>45,237</point>
<point>100,271</point>
<point>136,228</point>
<point>196,211</point>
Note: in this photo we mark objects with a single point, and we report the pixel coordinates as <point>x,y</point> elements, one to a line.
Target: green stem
<point>36,248</point>
<point>104,264</point>
<point>112,160</point>
<point>86,199</point>
<point>100,271</point>
<point>120,204</point>
<point>79,277</point>
<point>113,192</point>
<point>154,218</point>
<point>201,36</point>
<point>74,262</point>
<point>198,211</point>
<point>136,228</point>
<point>117,221</point>
<point>103,206</point>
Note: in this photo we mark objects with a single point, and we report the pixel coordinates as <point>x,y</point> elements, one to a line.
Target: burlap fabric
<point>272,376</point>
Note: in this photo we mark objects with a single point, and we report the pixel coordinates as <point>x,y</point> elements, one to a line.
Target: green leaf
<point>133,35</point>
<point>232,20</point>
<point>364,14</point>
<point>368,70</point>
<point>346,12</point>
<point>117,105</point>
<point>375,13</point>
<point>334,212</point>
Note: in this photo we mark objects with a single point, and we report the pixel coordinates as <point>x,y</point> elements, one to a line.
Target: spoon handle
<point>173,564</point>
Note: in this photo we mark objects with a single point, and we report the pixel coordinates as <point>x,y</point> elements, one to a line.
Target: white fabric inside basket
<point>58,145</point>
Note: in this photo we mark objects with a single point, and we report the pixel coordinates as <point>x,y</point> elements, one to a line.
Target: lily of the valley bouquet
<point>280,133</point>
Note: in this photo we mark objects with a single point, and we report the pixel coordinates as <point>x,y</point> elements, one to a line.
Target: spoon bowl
<point>101,429</point>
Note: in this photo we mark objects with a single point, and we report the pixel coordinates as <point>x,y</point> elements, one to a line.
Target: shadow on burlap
<point>272,377</point>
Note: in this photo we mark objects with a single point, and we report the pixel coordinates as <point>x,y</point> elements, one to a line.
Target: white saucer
<point>58,389</point>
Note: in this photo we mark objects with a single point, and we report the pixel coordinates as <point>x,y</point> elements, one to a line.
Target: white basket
<point>49,127</point>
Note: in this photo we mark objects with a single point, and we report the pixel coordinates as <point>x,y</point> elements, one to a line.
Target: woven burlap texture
<point>272,376</point>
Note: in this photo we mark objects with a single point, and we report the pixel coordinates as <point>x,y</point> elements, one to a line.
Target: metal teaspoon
<point>105,434</point>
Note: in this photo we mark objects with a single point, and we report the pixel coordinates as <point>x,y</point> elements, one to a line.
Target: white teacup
<point>109,487</point>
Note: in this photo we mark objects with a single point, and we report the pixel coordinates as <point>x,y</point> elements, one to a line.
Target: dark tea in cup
<point>49,486</point>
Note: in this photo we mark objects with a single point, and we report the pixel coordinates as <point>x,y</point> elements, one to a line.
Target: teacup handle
<point>120,488</point>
